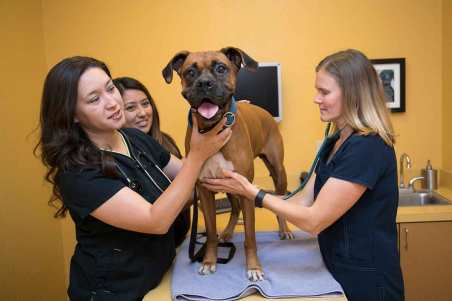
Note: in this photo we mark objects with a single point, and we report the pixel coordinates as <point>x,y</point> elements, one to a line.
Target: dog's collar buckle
<point>230,119</point>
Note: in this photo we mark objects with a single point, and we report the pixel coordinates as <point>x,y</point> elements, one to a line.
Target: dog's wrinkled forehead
<point>205,60</point>
<point>230,57</point>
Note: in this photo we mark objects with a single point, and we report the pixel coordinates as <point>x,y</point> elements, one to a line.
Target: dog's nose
<point>205,84</point>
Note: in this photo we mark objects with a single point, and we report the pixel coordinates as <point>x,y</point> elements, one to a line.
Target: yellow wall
<point>31,257</point>
<point>139,38</point>
<point>447,87</point>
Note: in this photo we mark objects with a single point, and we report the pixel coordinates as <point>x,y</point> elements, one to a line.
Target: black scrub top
<point>111,263</point>
<point>360,248</point>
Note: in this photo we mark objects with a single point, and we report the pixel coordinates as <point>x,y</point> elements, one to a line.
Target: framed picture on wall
<point>392,75</point>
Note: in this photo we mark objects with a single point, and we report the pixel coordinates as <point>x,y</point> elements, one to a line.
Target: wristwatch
<point>259,198</point>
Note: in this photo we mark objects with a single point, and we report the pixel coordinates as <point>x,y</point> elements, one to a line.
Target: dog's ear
<point>239,57</point>
<point>175,64</point>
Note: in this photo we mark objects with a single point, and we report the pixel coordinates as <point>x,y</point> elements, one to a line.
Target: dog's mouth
<point>207,109</point>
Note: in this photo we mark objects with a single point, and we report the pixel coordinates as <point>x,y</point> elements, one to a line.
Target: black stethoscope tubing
<point>313,166</point>
<point>132,184</point>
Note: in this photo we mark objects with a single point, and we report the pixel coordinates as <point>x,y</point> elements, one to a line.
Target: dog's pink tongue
<point>207,110</point>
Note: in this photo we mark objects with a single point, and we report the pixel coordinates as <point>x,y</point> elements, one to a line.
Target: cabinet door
<point>426,259</point>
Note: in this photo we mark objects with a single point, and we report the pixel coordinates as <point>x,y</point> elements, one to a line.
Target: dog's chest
<point>214,165</point>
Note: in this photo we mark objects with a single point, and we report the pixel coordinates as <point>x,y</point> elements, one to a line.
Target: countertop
<point>427,213</point>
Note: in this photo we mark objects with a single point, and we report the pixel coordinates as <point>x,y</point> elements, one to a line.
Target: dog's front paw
<point>207,268</point>
<point>255,275</point>
<point>226,235</point>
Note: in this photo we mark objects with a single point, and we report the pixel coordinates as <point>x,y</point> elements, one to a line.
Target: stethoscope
<point>327,142</point>
<point>135,185</point>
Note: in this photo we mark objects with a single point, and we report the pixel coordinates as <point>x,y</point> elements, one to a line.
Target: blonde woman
<point>351,200</point>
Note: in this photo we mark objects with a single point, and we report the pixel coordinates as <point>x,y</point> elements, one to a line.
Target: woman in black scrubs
<point>351,200</point>
<point>115,183</point>
<point>141,113</point>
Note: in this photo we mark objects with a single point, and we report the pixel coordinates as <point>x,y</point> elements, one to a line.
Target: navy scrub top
<point>111,263</point>
<point>360,248</point>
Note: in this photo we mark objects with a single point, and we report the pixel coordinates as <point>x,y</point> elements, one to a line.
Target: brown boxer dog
<point>208,84</point>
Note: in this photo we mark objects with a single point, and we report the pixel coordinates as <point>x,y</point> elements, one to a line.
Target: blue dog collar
<point>230,116</point>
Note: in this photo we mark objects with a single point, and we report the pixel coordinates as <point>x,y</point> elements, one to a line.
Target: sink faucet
<point>403,158</point>
<point>414,180</point>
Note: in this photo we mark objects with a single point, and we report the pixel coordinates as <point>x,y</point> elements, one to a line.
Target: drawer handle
<point>406,239</point>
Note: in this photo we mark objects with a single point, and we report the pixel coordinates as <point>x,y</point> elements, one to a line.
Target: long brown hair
<point>129,83</point>
<point>62,143</point>
<point>364,99</point>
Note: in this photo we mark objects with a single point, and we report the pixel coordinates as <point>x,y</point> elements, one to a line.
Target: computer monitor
<point>262,88</point>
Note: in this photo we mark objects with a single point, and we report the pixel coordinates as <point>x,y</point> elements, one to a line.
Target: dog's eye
<point>220,69</point>
<point>190,72</point>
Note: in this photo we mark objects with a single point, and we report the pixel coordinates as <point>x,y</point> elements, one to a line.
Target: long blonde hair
<point>364,106</point>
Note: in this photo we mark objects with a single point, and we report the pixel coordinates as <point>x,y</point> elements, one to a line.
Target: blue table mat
<point>293,268</point>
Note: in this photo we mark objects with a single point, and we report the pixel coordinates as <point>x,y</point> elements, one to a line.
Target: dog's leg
<point>228,232</point>
<point>254,268</point>
<point>273,162</point>
<point>209,263</point>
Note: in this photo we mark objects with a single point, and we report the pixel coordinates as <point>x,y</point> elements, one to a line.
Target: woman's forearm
<point>174,198</point>
<point>295,212</point>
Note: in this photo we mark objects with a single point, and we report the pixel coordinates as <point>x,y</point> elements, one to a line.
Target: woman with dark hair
<point>350,201</point>
<point>116,183</point>
<point>141,112</point>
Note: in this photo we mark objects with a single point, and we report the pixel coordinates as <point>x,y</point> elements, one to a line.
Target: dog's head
<point>208,79</point>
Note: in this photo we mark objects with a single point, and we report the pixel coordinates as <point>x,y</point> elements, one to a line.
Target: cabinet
<point>426,260</point>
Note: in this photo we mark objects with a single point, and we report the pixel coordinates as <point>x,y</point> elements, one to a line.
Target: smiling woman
<point>99,105</point>
<point>125,238</point>
<point>138,109</point>
<point>141,112</point>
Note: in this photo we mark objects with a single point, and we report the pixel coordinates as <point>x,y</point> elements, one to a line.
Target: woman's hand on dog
<point>231,183</point>
<point>202,146</point>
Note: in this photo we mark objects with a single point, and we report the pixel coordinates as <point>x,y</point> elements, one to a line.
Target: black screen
<point>260,87</point>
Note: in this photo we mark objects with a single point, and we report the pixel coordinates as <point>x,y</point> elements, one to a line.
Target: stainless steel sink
<point>422,199</point>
